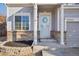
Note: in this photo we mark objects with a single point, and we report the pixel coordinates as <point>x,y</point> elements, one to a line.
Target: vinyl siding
<point>12,34</point>
<point>71,13</point>
<point>23,10</point>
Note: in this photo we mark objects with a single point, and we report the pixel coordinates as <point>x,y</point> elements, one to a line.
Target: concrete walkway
<point>50,43</point>
<point>62,52</point>
<point>55,49</point>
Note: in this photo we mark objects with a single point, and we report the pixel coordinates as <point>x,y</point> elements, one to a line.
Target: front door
<point>44,25</point>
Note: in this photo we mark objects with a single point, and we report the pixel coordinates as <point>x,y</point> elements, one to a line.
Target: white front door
<point>44,25</point>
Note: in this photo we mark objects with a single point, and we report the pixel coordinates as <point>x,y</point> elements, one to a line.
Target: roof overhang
<point>19,5</point>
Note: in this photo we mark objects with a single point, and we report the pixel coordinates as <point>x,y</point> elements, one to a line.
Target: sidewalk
<point>62,52</point>
<point>55,49</point>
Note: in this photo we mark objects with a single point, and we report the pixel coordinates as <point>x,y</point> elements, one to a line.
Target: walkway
<point>52,48</point>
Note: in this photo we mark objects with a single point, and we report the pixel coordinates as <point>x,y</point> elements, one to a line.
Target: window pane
<point>25,21</point>
<point>18,22</point>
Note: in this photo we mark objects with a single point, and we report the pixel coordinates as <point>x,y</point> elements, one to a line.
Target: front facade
<point>43,21</point>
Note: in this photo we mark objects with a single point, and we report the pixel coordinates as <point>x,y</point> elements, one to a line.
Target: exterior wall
<point>19,35</point>
<point>53,11</point>
<point>72,13</point>
<point>54,33</point>
<point>68,13</point>
<point>54,20</point>
<point>22,35</point>
<point>12,34</point>
<point>9,36</point>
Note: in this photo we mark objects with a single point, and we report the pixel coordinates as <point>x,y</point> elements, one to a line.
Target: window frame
<point>22,14</point>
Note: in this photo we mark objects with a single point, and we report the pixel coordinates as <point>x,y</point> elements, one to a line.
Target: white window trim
<point>22,14</point>
<point>72,20</point>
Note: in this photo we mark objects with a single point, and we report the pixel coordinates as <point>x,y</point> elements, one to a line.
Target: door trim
<point>45,13</point>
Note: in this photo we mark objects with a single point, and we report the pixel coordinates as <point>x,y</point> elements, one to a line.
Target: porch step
<point>48,40</point>
<point>46,53</point>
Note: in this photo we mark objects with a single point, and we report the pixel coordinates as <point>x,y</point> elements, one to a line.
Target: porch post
<point>7,13</point>
<point>35,24</point>
<point>62,25</point>
<point>58,19</point>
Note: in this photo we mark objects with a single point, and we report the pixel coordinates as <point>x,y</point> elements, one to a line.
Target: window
<point>22,22</point>
<point>25,22</point>
<point>18,22</point>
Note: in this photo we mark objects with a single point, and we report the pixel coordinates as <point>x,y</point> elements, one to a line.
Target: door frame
<point>45,13</point>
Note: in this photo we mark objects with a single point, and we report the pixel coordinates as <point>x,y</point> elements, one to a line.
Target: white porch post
<point>7,13</point>
<point>62,25</point>
<point>35,24</point>
<point>58,19</point>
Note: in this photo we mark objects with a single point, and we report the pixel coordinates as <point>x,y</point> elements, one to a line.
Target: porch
<point>35,28</point>
<point>52,32</point>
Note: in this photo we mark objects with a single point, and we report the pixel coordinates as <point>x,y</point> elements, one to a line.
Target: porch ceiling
<point>47,7</point>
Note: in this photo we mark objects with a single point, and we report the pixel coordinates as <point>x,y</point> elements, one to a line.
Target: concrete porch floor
<point>50,43</point>
<point>55,49</point>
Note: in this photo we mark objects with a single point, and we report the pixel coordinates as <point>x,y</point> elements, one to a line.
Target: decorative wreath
<point>45,20</point>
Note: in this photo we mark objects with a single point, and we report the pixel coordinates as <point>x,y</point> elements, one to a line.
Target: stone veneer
<point>19,35</point>
<point>15,51</point>
<point>21,51</point>
<point>9,36</point>
<point>25,35</point>
<point>56,35</point>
